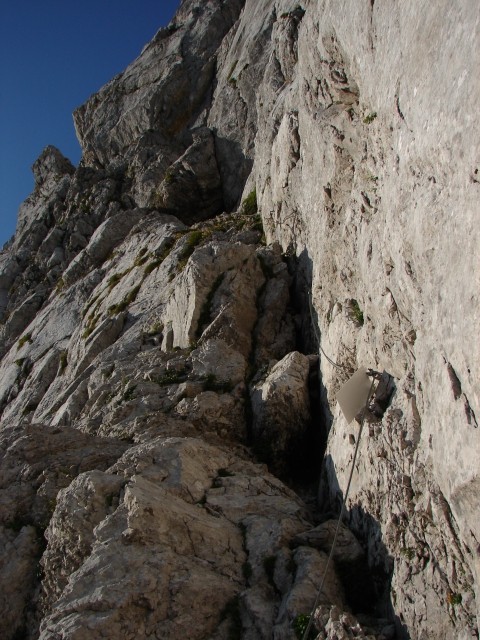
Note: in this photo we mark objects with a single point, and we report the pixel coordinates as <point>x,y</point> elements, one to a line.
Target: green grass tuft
<point>171,377</point>
<point>357,313</point>
<point>151,266</point>
<point>193,240</point>
<point>169,177</point>
<point>92,321</point>
<point>454,598</point>
<point>24,339</point>
<point>370,118</point>
<point>115,309</point>
<point>300,624</point>
<point>140,259</point>
<point>115,279</point>
<point>249,205</point>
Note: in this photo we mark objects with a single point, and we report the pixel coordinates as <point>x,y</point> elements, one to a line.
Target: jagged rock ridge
<point>164,382</point>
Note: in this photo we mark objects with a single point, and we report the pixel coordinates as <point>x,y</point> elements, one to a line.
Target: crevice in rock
<point>454,381</point>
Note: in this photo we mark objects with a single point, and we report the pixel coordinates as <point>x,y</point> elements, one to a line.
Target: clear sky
<point>53,55</point>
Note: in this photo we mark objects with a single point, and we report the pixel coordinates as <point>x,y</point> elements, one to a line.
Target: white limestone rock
<point>116,317</point>
<point>281,410</point>
<point>216,359</point>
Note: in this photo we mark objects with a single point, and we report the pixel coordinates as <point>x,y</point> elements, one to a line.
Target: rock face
<point>281,411</point>
<point>271,196</point>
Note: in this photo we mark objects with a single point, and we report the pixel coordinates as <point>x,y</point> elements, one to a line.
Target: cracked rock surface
<point>271,196</point>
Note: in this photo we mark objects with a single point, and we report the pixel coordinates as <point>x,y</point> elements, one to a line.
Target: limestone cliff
<point>272,195</point>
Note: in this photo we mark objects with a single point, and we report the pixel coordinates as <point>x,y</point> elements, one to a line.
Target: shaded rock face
<point>281,411</point>
<point>268,179</point>
<point>51,165</point>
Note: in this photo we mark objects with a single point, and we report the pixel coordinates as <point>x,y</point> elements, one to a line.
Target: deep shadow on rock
<point>366,576</point>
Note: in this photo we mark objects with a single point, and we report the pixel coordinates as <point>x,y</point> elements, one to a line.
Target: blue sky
<point>53,55</point>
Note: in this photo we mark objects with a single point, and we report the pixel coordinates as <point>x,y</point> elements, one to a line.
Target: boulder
<point>281,412</point>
